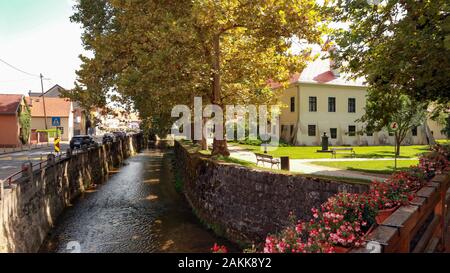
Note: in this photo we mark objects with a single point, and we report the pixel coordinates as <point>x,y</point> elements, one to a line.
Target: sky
<point>37,36</point>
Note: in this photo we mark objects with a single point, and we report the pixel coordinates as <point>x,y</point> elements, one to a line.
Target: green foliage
<point>446,129</point>
<point>157,54</point>
<point>24,123</point>
<point>397,45</point>
<point>384,108</point>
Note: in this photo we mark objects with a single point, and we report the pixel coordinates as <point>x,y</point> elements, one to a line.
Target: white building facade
<point>320,100</point>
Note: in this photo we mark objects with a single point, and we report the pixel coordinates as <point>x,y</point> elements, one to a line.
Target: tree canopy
<point>401,45</point>
<point>157,54</point>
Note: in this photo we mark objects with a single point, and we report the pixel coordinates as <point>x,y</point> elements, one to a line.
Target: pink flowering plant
<point>393,192</point>
<point>435,162</point>
<point>345,219</point>
<point>299,237</point>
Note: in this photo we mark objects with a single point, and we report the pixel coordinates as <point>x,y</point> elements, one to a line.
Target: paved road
<point>137,210</point>
<point>12,162</point>
<point>305,166</point>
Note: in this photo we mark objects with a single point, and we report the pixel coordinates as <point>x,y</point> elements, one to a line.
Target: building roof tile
<point>54,107</point>
<point>9,103</point>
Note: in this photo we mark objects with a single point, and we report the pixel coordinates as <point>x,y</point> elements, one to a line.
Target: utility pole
<point>43,100</point>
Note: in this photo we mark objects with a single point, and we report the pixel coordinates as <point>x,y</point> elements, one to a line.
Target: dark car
<point>108,138</point>
<point>79,142</point>
<point>120,135</point>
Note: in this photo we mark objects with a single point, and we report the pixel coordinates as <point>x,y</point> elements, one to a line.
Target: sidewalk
<point>304,166</point>
<point>29,147</point>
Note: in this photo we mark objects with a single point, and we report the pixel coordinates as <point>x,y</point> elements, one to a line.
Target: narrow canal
<point>137,210</point>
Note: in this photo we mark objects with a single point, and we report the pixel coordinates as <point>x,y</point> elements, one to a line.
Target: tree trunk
<point>204,142</point>
<point>220,147</point>
<point>398,141</point>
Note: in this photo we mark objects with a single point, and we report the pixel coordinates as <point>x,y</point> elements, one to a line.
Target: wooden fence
<point>418,227</point>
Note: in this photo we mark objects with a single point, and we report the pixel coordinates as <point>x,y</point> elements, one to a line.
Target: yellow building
<point>321,100</point>
<point>59,113</point>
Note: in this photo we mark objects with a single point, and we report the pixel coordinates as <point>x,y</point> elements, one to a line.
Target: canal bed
<point>137,210</point>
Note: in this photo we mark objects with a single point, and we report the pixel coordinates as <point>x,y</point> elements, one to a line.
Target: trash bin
<point>285,163</point>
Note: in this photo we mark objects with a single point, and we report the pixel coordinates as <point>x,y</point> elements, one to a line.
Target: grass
<point>374,166</point>
<point>252,165</point>
<point>196,149</point>
<point>302,152</point>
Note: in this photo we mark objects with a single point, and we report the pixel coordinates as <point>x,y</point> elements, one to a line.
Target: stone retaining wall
<point>30,207</point>
<point>246,204</point>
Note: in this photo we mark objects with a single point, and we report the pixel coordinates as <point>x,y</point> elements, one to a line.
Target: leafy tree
<point>401,45</point>
<point>446,125</point>
<point>157,54</point>
<point>384,108</point>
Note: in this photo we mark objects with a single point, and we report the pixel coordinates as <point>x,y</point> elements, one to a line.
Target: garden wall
<point>32,204</point>
<point>246,204</point>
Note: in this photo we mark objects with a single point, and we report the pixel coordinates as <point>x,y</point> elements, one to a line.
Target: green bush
<point>24,123</point>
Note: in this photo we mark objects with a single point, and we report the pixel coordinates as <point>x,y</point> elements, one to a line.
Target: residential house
<point>10,108</point>
<point>79,114</point>
<point>322,100</point>
<point>59,113</point>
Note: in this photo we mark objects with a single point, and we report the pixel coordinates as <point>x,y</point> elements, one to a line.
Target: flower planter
<point>341,249</point>
<point>384,214</point>
<point>344,249</point>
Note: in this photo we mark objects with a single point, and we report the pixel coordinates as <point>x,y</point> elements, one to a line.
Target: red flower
<point>219,249</point>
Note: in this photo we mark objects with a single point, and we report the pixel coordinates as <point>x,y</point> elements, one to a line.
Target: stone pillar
<point>27,169</point>
<point>324,142</point>
<point>51,159</point>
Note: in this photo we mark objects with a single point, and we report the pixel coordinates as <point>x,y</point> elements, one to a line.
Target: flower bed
<point>344,221</point>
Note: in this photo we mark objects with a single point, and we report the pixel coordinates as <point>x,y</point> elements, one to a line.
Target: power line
<point>20,70</point>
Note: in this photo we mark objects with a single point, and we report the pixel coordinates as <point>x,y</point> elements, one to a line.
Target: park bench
<point>335,151</point>
<point>267,158</point>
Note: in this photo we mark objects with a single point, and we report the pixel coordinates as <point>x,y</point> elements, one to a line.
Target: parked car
<point>120,135</point>
<point>108,138</point>
<point>82,141</point>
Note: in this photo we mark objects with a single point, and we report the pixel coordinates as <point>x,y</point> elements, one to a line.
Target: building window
<point>414,131</point>
<point>331,104</point>
<point>292,130</point>
<point>352,105</point>
<point>352,130</point>
<point>312,104</point>
<point>311,130</point>
<point>292,104</point>
<point>333,133</point>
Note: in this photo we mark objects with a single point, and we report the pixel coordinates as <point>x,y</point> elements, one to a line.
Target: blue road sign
<point>56,121</point>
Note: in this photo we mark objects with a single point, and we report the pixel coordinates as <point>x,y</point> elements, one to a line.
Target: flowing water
<point>137,210</point>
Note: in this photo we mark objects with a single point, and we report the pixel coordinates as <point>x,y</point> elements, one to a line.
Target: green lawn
<point>361,152</point>
<point>374,166</point>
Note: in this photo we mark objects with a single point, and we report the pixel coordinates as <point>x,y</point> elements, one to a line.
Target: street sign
<point>57,146</point>
<point>56,121</point>
<point>393,126</point>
